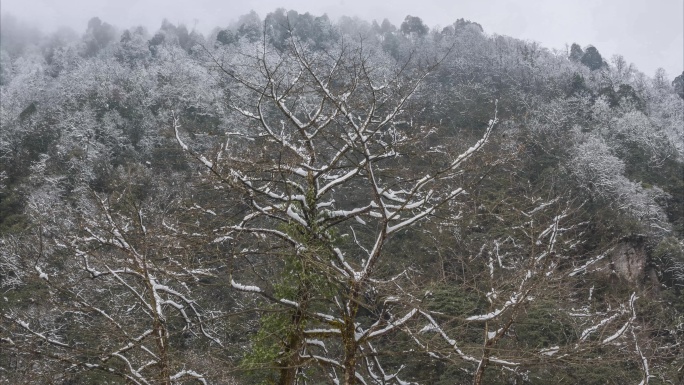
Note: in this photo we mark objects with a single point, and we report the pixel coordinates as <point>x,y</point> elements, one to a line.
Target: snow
<point>240,287</point>
<point>550,351</point>
<point>408,222</point>
<point>41,274</point>
<point>584,267</point>
<point>392,195</point>
<point>315,342</point>
<point>328,318</point>
<point>428,328</point>
<point>347,213</point>
<point>469,152</point>
<point>617,334</point>
<point>178,139</point>
<point>297,218</point>
<point>322,331</point>
<point>542,206</point>
<point>222,239</point>
<point>190,373</point>
<point>26,326</point>
<point>157,299</point>
<point>339,180</point>
<point>587,332</point>
<point>340,256</point>
<point>489,316</point>
<point>288,302</point>
<point>394,324</point>
<point>450,341</point>
<point>321,205</point>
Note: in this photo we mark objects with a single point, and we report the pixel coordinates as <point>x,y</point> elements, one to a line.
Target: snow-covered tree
<point>303,201</point>
<point>114,289</point>
<point>327,197</point>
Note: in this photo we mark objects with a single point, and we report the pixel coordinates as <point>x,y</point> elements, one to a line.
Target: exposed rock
<point>629,261</point>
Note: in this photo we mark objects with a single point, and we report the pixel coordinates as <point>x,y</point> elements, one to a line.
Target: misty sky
<point>649,33</point>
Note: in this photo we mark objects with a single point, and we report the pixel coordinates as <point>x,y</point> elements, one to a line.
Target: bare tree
<point>320,151</point>
<point>373,244</point>
<point>114,292</point>
<point>330,189</point>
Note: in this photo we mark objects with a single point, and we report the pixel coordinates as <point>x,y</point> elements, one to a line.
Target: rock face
<point>629,261</point>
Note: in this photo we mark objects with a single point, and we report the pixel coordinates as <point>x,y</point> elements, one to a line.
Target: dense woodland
<point>295,200</point>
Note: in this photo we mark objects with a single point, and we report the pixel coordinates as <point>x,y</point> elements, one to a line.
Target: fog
<point>648,33</point>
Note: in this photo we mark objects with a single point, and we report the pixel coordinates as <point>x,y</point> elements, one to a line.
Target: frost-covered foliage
<point>301,201</point>
<point>603,175</point>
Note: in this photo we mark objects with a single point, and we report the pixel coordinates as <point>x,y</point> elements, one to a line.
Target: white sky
<point>649,33</point>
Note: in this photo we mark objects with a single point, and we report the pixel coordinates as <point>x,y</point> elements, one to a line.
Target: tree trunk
<point>291,360</point>
<point>479,374</point>
<point>349,336</point>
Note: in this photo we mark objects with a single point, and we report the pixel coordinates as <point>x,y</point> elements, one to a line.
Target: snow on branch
<point>134,342</point>
<point>316,342</point>
<point>541,207</point>
<point>644,361</point>
<point>479,144</point>
<point>188,373</point>
<point>584,267</point>
<point>42,336</point>
<point>448,340</point>
<point>245,288</point>
<point>342,215</point>
<point>392,325</point>
<point>489,316</point>
<point>589,331</point>
<point>322,332</point>
<point>383,377</point>
<point>405,223</point>
<point>131,369</point>
<point>627,324</point>
<point>176,125</point>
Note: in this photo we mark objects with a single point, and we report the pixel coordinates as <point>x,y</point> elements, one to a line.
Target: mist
<point>647,33</point>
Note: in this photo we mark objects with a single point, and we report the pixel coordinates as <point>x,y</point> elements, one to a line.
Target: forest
<point>297,200</point>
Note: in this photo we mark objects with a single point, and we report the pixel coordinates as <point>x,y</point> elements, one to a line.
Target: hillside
<point>294,200</point>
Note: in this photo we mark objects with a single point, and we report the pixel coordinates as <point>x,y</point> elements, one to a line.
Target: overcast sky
<point>649,33</point>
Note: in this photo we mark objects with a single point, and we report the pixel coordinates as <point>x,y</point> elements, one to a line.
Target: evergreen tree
<point>592,58</point>
<point>576,52</point>
<point>678,84</point>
